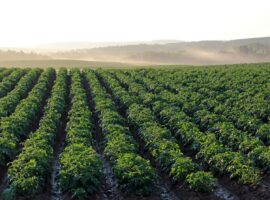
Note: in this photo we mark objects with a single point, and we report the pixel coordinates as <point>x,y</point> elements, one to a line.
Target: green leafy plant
<point>201,181</point>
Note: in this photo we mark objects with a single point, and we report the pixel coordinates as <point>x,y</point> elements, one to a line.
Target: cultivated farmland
<point>171,133</point>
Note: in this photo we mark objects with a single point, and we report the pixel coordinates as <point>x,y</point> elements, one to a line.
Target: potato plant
<point>189,128</point>
<point>29,172</point>
<point>9,102</point>
<point>158,139</point>
<point>134,173</point>
<point>16,126</point>
<point>81,170</point>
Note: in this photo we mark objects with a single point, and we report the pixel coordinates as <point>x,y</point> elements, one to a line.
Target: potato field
<point>181,133</point>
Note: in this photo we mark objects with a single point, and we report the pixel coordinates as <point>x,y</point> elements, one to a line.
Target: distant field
<point>108,65</point>
<point>61,63</point>
<point>185,133</point>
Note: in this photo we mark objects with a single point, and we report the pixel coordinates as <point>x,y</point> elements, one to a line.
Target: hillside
<point>163,52</point>
<point>202,52</point>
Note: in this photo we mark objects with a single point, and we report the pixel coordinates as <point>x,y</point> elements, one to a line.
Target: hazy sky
<point>29,22</point>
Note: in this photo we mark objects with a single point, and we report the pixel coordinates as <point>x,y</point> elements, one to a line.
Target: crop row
<point>10,81</point>
<point>161,144</point>
<point>6,72</point>
<point>192,124</point>
<point>224,131</point>
<point>225,98</point>
<point>80,171</point>
<point>207,146</point>
<point>17,126</point>
<point>30,171</point>
<point>9,102</point>
<point>134,174</point>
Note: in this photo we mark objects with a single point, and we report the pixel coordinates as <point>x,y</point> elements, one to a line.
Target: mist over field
<point>198,53</point>
<point>160,52</point>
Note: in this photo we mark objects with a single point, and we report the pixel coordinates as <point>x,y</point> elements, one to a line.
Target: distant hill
<point>89,45</point>
<point>202,52</point>
<point>7,55</point>
<point>62,63</point>
<point>160,52</point>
